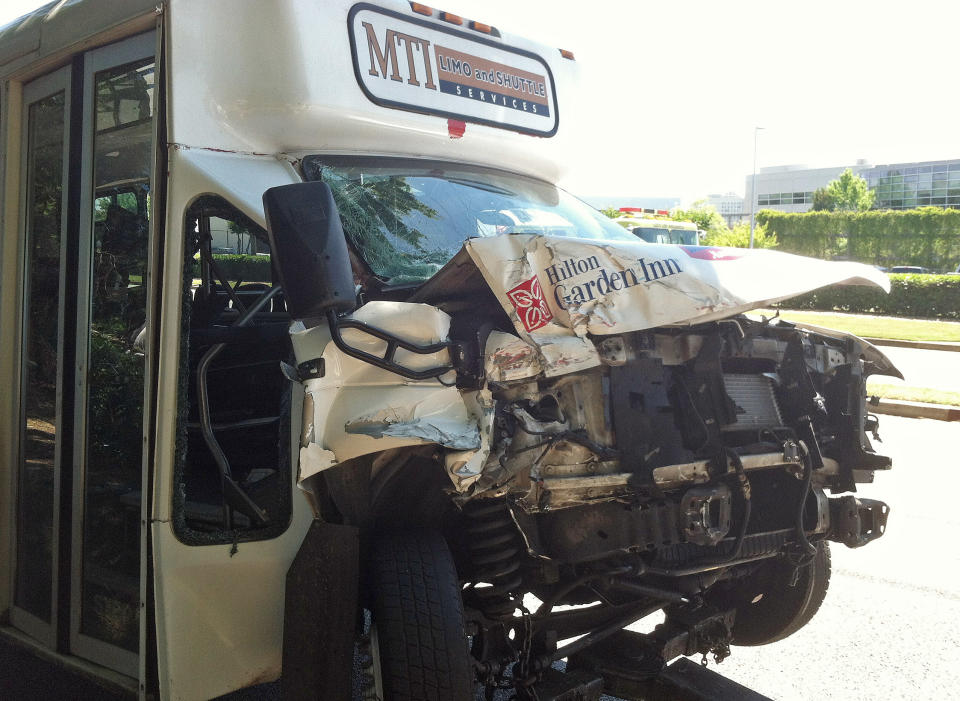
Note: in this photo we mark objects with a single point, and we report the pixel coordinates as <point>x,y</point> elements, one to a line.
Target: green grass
<point>875,326</point>
<point>912,394</point>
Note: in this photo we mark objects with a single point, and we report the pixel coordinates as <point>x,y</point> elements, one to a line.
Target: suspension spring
<point>495,554</point>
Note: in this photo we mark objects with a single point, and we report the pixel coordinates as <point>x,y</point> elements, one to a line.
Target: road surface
<point>890,626</point>
<point>936,369</point>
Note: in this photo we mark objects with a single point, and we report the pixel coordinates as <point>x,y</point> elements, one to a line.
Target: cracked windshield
<point>408,218</point>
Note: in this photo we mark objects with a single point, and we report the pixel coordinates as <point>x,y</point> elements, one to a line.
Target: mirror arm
<point>387,361</point>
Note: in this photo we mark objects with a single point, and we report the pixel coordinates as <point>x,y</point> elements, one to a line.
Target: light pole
<point>753,186</point>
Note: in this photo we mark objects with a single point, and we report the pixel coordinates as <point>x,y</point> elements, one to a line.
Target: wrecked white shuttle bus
<point>296,326</point>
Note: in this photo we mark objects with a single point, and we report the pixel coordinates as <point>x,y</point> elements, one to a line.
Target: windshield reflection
<point>407,218</point>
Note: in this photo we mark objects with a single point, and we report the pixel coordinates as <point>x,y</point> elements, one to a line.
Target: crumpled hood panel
<point>552,286</point>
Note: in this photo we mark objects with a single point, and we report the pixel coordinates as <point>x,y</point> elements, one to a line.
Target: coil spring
<point>494,551</point>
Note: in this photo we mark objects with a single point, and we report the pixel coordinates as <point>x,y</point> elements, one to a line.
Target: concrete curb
<point>919,345</point>
<point>915,410</point>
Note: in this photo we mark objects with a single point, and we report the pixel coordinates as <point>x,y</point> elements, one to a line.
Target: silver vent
<point>755,401</point>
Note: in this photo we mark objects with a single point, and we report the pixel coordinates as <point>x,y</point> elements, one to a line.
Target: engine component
<point>633,657</point>
<point>855,522</point>
<point>756,404</point>
<point>706,514</point>
<point>643,419</point>
<point>594,531</point>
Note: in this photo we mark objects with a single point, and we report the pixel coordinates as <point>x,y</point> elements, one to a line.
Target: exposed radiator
<point>755,400</point>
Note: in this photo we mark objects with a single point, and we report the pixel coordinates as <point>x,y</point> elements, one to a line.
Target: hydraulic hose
<point>809,550</point>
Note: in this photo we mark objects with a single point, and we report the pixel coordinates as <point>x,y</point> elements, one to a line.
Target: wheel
<point>769,609</point>
<point>418,644</point>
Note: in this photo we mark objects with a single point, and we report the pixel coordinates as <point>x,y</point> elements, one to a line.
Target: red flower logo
<point>527,299</point>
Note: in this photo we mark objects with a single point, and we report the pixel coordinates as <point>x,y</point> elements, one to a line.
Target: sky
<point>673,90</point>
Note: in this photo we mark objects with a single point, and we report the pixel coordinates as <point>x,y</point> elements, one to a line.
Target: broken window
<point>234,453</point>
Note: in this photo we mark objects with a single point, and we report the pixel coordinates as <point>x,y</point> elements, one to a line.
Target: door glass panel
<point>124,104</point>
<point>41,343</point>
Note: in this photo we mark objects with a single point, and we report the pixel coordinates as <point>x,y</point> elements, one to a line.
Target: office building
<point>898,185</point>
<point>730,207</point>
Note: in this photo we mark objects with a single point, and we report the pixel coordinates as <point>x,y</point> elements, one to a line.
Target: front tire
<point>769,609</point>
<point>418,617</point>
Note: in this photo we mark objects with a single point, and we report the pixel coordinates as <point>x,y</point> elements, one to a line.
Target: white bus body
<point>135,132</point>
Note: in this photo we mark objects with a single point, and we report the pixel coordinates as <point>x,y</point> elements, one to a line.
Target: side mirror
<point>309,250</point>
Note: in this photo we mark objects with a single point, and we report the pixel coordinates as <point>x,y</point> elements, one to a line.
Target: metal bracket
<point>855,522</point>
<point>706,514</point>
<point>307,370</point>
<point>387,361</point>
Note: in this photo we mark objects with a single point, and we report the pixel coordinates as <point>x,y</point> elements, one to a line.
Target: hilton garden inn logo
<point>578,280</point>
<point>574,281</point>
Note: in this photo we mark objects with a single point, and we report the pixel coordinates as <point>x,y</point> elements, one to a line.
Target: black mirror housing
<point>309,249</point>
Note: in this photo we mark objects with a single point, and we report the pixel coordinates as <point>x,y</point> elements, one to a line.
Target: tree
<point>704,215</point>
<point>848,193</point>
<point>823,201</point>
<point>611,212</point>
<point>739,237</point>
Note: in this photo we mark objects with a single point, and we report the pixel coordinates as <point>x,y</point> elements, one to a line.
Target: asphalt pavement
<point>889,626</point>
<point>936,369</point>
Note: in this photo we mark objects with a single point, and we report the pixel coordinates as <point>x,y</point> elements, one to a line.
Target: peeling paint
<point>186,147</point>
<point>433,429</point>
<point>314,459</point>
<point>466,466</point>
<point>510,358</point>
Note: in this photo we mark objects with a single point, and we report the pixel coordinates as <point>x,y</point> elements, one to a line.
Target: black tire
<point>417,615</point>
<point>782,609</point>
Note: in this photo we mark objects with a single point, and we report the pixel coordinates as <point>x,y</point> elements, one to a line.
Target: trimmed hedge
<point>240,267</point>
<point>927,236</point>
<point>922,296</point>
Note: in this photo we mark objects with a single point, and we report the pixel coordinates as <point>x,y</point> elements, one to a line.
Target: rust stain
<point>506,359</point>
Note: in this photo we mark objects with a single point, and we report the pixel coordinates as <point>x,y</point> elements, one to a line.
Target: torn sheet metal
<point>561,287</point>
<point>356,409</point>
<point>510,358</point>
<point>440,418</point>
<point>880,364</point>
<point>465,466</point>
<point>314,459</point>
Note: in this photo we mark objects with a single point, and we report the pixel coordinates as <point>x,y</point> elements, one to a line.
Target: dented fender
<point>357,409</point>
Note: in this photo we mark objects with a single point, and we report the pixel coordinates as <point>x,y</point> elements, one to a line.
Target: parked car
<point>910,269</point>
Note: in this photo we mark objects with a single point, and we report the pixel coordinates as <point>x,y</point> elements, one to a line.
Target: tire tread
<point>419,617</point>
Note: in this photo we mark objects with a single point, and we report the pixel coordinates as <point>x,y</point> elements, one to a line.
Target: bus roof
<point>295,77</point>
<point>36,42</point>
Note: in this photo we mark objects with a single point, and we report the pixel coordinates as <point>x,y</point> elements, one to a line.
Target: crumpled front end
<point>648,449</point>
<point>662,445</point>
<point>625,408</point>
